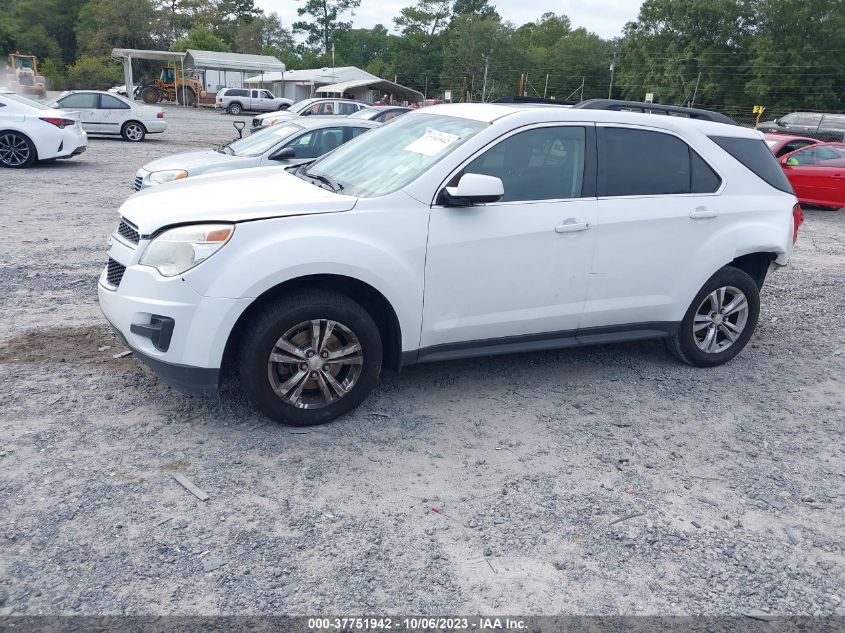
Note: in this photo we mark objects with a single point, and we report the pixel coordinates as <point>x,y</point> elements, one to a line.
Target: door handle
<point>572,225</point>
<point>702,213</point>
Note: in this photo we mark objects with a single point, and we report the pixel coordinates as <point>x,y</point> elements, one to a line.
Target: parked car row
<point>453,231</point>
<point>815,169</point>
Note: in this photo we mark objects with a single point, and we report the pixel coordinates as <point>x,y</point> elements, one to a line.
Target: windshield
<point>258,143</point>
<point>388,158</point>
<point>25,101</point>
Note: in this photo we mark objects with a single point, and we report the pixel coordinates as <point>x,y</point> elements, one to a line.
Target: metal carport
<point>386,87</point>
<point>126,55</point>
<point>198,60</point>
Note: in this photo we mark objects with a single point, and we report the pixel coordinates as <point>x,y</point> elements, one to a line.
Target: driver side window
<point>542,164</point>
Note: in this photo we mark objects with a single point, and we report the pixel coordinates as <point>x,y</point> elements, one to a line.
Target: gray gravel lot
<point>607,480</point>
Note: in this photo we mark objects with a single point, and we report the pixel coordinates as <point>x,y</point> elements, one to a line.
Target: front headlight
<point>178,250</point>
<point>167,175</point>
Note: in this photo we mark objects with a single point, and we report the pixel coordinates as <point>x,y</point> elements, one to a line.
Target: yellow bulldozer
<point>173,86</point>
<point>24,75</point>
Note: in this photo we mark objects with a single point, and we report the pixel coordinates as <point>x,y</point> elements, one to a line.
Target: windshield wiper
<point>335,186</point>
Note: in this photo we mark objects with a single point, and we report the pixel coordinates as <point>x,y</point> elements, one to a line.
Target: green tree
<point>673,40</point>
<point>426,17</point>
<point>325,22</point>
<point>105,24</point>
<point>797,55</point>
<point>94,73</point>
<point>359,47</point>
<point>202,39</point>
<point>470,39</point>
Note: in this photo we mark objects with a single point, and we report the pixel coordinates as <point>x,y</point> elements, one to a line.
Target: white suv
<point>455,231</point>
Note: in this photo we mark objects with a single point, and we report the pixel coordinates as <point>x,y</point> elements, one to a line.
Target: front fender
<point>383,250</point>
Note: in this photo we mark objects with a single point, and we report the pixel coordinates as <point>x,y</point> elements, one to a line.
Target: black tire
<point>17,151</point>
<point>684,346</point>
<point>150,95</point>
<point>264,330</point>
<point>190,96</point>
<point>133,132</point>
<point>234,109</point>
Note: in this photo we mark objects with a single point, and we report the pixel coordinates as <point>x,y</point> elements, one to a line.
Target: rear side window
<point>757,157</point>
<point>236,92</point>
<point>645,163</point>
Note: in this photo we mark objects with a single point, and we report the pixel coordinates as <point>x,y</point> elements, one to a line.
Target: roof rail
<point>654,108</point>
<point>518,99</point>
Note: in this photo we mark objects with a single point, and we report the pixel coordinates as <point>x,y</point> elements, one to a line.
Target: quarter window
<point>107,102</point>
<point>346,108</point>
<point>541,164</point>
<point>645,163</point>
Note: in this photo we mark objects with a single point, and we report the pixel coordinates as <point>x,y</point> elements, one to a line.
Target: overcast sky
<point>605,17</point>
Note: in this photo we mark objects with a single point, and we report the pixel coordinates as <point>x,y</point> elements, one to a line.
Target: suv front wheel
<point>310,357</point>
<point>720,320</point>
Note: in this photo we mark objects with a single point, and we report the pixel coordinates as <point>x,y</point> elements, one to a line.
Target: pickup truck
<point>237,100</point>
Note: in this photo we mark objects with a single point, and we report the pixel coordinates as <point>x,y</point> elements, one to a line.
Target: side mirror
<point>283,154</point>
<point>473,189</point>
<point>239,126</point>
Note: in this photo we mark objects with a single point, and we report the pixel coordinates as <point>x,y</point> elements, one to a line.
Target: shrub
<point>94,73</point>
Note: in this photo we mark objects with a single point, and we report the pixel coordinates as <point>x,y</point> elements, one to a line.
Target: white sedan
<point>105,113</point>
<point>31,131</point>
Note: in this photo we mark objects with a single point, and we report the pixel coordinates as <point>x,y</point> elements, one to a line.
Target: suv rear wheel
<point>720,320</point>
<point>310,357</point>
<point>235,108</point>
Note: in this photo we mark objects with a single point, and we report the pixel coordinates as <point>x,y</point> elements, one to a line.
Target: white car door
<point>113,114</point>
<point>519,266</point>
<point>658,207</point>
<point>85,103</point>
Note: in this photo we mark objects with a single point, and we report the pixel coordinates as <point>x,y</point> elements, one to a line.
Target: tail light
<point>797,221</point>
<point>160,115</point>
<point>59,123</point>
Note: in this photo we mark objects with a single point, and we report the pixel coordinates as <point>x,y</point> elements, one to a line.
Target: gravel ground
<point>606,480</point>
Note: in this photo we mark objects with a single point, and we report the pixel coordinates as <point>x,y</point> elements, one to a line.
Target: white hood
<point>233,196</point>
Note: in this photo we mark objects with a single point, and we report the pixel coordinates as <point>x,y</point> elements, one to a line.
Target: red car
<point>817,174</point>
<point>781,144</point>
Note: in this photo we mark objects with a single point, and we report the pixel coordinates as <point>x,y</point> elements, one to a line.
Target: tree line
<point>723,54</point>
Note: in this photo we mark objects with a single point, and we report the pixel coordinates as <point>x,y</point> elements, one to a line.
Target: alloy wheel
<point>720,319</point>
<point>315,363</point>
<point>14,150</point>
<point>134,132</point>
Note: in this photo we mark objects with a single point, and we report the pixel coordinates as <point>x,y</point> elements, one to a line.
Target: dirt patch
<point>92,345</point>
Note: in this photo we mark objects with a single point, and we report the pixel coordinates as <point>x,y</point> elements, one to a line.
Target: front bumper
<point>192,357</point>
<point>194,381</point>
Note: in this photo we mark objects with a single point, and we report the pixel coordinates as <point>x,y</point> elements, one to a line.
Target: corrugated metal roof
<point>316,75</point>
<point>138,53</point>
<point>386,87</point>
<point>233,61</point>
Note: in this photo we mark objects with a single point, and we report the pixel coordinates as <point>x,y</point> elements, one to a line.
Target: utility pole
<point>582,87</point>
<point>695,93</point>
<point>612,69</point>
<point>486,59</point>
<point>425,90</point>
<point>546,87</point>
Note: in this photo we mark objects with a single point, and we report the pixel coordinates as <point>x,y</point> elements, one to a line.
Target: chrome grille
<point>128,231</point>
<point>114,272</point>
<point>138,182</point>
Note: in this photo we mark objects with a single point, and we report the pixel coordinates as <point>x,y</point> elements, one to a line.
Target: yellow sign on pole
<point>758,110</point>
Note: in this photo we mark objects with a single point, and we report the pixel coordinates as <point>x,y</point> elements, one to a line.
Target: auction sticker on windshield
<point>431,143</point>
